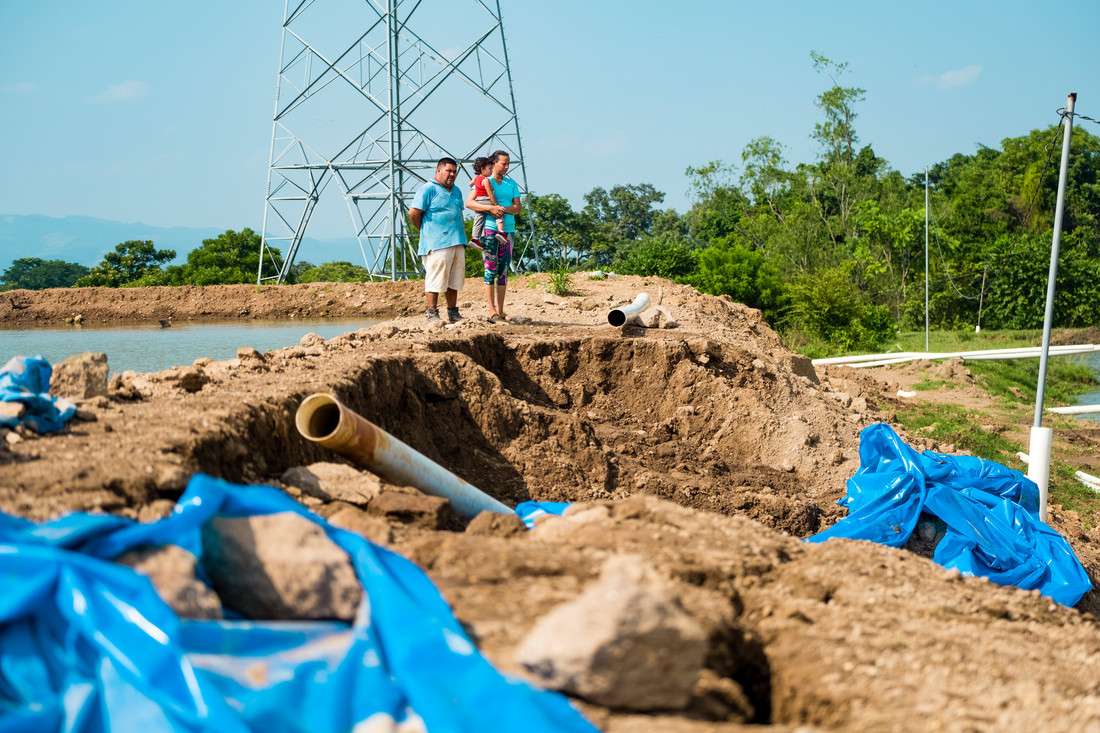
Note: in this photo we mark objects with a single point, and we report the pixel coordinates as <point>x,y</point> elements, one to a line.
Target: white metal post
<point>1041,438</point>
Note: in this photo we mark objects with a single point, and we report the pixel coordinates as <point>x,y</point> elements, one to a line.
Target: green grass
<point>932,384</point>
<point>951,424</point>
<point>1016,380</point>
<point>966,340</point>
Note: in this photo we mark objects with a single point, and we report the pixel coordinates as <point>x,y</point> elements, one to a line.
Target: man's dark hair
<point>446,161</point>
<point>497,153</point>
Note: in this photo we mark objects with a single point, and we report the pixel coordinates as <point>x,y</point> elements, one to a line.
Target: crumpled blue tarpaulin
<point>991,513</point>
<point>87,645</point>
<point>26,379</point>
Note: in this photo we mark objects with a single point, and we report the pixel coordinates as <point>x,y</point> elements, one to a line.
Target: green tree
<point>1017,294</point>
<point>335,272</point>
<point>130,262</point>
<point>628,209</point>
<point>660,256</point>
<point>719,206</point>
<point>834,182</point>
<point>560,233</point>
<point>230,258</point>
<point>33,273</point>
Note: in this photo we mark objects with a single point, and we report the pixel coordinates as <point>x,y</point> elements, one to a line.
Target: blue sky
<point>161,112</point>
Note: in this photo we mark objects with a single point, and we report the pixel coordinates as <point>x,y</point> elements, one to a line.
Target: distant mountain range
<point>84,240</point>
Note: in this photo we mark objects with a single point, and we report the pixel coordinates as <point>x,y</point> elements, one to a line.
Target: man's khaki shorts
<point>444,269</point>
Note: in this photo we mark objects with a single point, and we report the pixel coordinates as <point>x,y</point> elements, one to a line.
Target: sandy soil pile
<point>705,451</point>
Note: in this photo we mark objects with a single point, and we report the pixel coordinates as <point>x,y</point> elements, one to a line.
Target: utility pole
<point>1041,438</point>
<point>370,94</point>
<point>926,258</point>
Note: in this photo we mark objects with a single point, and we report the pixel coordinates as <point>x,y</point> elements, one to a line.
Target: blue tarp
<point>26,379</point>
<point>87,645</point>
<point>529,511</point>
<point>991,513</point>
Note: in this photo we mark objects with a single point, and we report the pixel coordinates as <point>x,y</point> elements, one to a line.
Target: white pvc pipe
<point>1089,480</point>
<point>1075,409</point>
<point>620,316</point>
<point>1093,482</point>
<point>898,357</point>
<point>1038,467</point>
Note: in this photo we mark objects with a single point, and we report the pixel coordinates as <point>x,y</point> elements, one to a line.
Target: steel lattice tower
<point>370,94</point>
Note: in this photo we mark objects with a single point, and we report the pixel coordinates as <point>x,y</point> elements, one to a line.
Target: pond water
<point>1091,398</point>
<point>150,348</point>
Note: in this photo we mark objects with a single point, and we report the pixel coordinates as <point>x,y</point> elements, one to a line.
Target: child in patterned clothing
<point>483,194</point>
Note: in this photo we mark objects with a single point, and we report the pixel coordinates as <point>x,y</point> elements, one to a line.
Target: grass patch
<point>561,282</point>
<point>950,424</point>
<point>1017,379</point>
<point>931,384</point>
<point>1065,489</point>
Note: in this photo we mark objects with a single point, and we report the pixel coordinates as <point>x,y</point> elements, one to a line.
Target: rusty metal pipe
<point>326,421</point>
<point>620,316</point>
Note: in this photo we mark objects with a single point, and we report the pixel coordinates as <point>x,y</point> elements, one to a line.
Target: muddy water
<point>150,348</point>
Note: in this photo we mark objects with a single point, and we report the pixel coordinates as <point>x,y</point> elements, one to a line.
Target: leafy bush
<point>827,307</point>
<point>335,272</point>
<point>731,268</point>
<point>659,256</point>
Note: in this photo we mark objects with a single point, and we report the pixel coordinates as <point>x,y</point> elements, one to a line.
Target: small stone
<point>311,339</point>
<point>12,409</point>
<point>172,571</point>
<point>496,524</point>
<point>250,356</point>
<point>413,508</point>
<point>279,566</point>
<point>80,377</point>
<point>623,643</point>
<point>192,379</point>
<point>334,482</point>
<point>354,519</point>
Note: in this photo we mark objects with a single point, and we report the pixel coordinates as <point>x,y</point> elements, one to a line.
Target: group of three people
<point>437,212</point>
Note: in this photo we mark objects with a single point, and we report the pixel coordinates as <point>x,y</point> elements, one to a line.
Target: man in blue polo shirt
<point>437,212</point>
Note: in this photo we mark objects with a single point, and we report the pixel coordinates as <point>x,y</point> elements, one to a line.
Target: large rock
<point>80,377</point>
<point>279,566</point>
<point>334,482</point>
<point>172,571</point>
<point>623,643</point>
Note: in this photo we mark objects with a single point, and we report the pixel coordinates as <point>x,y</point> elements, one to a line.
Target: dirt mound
<point>1090,335</point>
<point>707,451</point>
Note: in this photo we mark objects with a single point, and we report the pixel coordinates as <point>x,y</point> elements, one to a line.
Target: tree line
<point>832,250</point>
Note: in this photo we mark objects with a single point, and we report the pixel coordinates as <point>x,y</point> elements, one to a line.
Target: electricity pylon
<point>369,95</point>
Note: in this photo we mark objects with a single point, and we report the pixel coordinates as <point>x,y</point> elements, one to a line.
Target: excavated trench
<point>574,420</point>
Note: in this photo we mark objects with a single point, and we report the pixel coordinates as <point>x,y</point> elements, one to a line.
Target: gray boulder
<point>624,643</point>
<point>280,566</point>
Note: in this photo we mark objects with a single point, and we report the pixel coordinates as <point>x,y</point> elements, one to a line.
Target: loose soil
<point>708,449</point>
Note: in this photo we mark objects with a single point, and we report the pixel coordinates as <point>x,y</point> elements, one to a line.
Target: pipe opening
<point>616,317</point>
<point>318,417</point>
